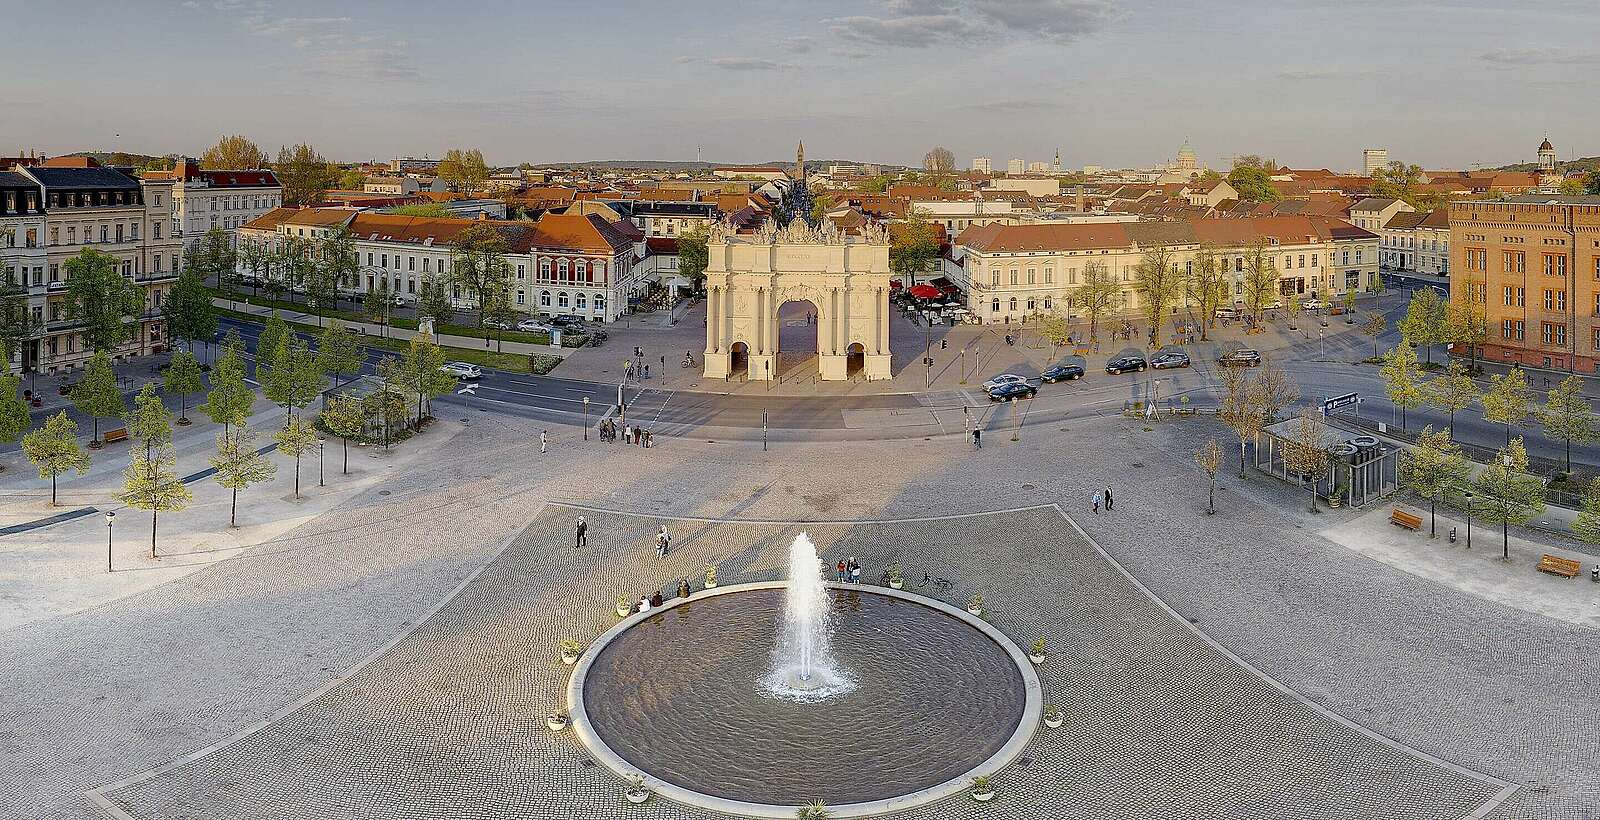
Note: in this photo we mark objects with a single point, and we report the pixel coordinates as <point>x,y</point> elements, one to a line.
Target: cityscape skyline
<point>876,84</point>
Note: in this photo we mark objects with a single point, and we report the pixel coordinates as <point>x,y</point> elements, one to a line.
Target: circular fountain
<point>755,698</point>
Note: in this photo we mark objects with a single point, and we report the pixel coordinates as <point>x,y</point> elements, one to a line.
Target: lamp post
<point>585,418</point>
<point>766,367</point>
<point>763,429</point>
<point>1468,494</point>
<point>320,441</point>
<point>110,517</point>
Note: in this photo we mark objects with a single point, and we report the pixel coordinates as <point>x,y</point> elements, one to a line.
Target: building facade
<point>1532,265</point>
<point>1417,242</point>
<point>983,165</point>
<point>206,199</point>
<point>1374,160</point>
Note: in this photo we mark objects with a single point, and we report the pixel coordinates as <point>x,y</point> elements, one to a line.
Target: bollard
<point>1594,574</point>
<point>1452,535</point>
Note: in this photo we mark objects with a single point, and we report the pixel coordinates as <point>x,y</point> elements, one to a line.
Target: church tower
<point>1547,156</point>
<point>800,162</point>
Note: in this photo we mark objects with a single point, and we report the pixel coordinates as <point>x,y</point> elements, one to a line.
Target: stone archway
<point>750,277</point>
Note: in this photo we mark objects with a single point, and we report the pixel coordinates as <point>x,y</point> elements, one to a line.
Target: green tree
<point>1507,402</point>
<point>183,378</point>
<point>188,310</point>
<point>1402,379</point>
<point>149,422</point>
<point>304,174</point>
<point>297,264</point>
<point>1253,184</point>
<point>101,298</point>
<point>420,374</point>
<point>233,153</point>
<point>1206,283</point>
<point>463,169</point>
<point>337,265</point>
<point>1097,294</point>
<point>228,403</point>
<point>1587,527</point>
<point>14,418</point>
<point>54,449</point>
<point>913,246</point>
<point>96,394</point>
<point>478,266</point>
<point>1375,325</point>
<point>352,180</point>
<point>1509,495</point>
<point>692,257</point>
<point>1260,278</point>
<point>821,204</point>
<point>1349,300</point>
<point>271,339</point>
<point>1053,329</point>
<point>339,351</point>
<point>256,257</point>
<point>296,440</point>
<point>296,377</point>
<point>1566,416</point>
<point>1159,282</point>
<point>1424,322</point>
<point>346,418</point>
<point>375,302</point>
<point>1465,326</point>
<point>1432,468</point>
<point>388,404</point>
<point>148,483</point>
<point>1451,391</point>
<point>238,465</point>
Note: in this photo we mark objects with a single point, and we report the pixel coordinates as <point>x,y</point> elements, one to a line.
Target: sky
<point>1117,83</point>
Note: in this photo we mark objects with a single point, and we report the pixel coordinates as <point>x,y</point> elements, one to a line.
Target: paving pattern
<point>449,722</point>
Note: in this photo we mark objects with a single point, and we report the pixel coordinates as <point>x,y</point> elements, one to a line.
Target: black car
<point>568,322</point>
<point>1012,390</point>
<point>1126,364</point>
<point>1243,357</point>
<point>1062,373</point>
<point>1174,358</point>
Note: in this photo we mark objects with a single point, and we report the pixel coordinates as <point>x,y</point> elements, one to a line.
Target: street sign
<point>1335,402</point>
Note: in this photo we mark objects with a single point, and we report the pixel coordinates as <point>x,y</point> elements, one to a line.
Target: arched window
<point>995,307</point>
<point>1047,303</point>
<point>561,299</point>
<point>1013,304</point>
<point>544,298</point>
<point>581,303</point>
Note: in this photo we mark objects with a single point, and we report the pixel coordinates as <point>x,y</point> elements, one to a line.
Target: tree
<point>228,403</point>
<point>1294,307</point>
<point>148,483</point>
<point>478,266</point>
<point>1424,322</point>
<point>435,299</point>
<point>233,153</point>
<point>1402,379</point>
<point>346,418</point>
<point>1099,289</point>
<point>939,161</point>
<point>1253,184</point>
<point>1260,278</point>
<point>257,258</point>
<point>1510,495</point>
<point>375,302</point>
<point>387,404</point>
<point>296,264</point>
<point>183,378</point>
<point>821,204</point>
<point>149,423</point>
<point>96,395</point>
<point>1375,325</point>
<point>101,298</point>
<point>1159,283</point>
<point>1451,391</point>
<point>1207,285</point>
<point>1587,527</point>
<point>1465,326</point>
<point>420,374</point>
<point>913,246</point>
<point>296,377</point>
<point>337,265</point>
<point>1506,402</point>
<point>54,449</point>
<point>1241,409</point>
<point>211,256</point>
<point>352,180</point>
<point>271,339</point>
<point>304,174</point>
<point>1274,390</point>
<point>296,440</point>
<point>692,257</point>
<point>463,169</point>
<point>1053,329</point>
<point>188,310</point>
<point>1566,416</point>
<point>1349,299</point>
<point>14,418</point>
<point>1304,452</point>
<point>238,465</point>
<point>1432,468</point>
<point>1209,459</point>
<point>339,351</point>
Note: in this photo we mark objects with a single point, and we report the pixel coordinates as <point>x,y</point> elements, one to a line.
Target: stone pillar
<point>830,365</point>
<point>879,365</point>
<point>763,357</point>
<point>719,362</point>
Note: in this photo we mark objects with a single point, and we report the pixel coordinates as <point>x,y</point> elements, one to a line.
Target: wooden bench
<point>1560,566</point>
<point>1402,518</point>
<point>119,434</point>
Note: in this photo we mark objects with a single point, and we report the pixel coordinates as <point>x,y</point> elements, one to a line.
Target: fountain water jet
<point>803,668</point>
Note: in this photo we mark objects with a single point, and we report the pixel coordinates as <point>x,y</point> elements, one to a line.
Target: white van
<point>1227,313</point>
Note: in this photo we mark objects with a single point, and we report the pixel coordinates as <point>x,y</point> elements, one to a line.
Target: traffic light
<point>944,343</point>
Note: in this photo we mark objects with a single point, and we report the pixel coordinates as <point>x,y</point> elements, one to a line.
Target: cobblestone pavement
<point>100,695</point>
<point>1159,723</point>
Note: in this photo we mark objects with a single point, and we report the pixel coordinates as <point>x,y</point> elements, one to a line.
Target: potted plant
<point>895,581</point>
<point>1053,716</point>
<point>570,650</point>
<point>976,607</point>
<point>636,792</point>
<point>557,721</point>
<point>1036,651</point>
<point>981,790</point>
<point>624,606</point>
<point>711,576</point>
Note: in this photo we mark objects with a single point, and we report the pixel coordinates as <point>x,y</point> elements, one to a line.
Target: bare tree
<point>939,161</point>
<point>1304,452</point>
<point>1241,409</point>
<point>1160,283</point>
<point>1209,458</point>
<point>1274,390</point>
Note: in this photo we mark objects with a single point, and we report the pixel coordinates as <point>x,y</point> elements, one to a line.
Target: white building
<point>1015,167</point>
<point>226,199</point>
<point>1417,242</point>
<point>982,165</point>
<point>1374,159</point>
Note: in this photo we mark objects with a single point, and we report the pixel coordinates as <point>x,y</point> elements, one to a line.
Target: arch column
<point>718,355</point>
<point>878,364</point>
<point>831,363</point>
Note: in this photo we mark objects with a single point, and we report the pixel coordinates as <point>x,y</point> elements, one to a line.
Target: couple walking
<point>1102,497</point>
<point>848,571</point>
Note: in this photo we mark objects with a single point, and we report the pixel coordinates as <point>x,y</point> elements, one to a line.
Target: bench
<point>1402,518</point>
<point>119,434</point>
<point>1559,566</point>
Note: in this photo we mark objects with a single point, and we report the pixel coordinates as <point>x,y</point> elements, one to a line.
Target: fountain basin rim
<point>1032,710</point>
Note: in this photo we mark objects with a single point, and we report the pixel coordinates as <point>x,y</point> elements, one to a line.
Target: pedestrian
<point>662,540</point>
<point>1096,503</point>
<point>627,435</point>
<point>544,441</point>
<point>855,571</point>
<point>977,439</point>
<point>663,361</point>
<point>655,598</point>
<point>650,438</point>
<point>647,371</point>
<point>583,533</point>
<point>1108,498</point>
<point>841,569</point>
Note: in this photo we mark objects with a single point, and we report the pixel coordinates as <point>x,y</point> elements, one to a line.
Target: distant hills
<point>676,166</point>
<point>1580,164</point>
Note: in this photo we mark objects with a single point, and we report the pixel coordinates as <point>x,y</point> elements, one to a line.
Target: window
<point>521,298</point>
<point>544,298</point>
<point>994,280</point>
<point>1013,304</point>
<point>1031,275</point>
<point>155,229</point>
<point>1013,280</point>
<point>1553,334</point>
<point>411,286</point>
<point>1555,264</point>
<point>599,304</point>
<point>1511,329</point>
<point>55,236</point>
<point>411,263</point>
<point>995,306</point>
<point>1555,299</point>
<point>1313,260</point>
<point>561,271</point>
<point>1510,296</point>
<point>1358,256</point>
<point>369,259</point>
<point>1515,262</point>
<point>521,273</point>
<point>72,234</point>
<point>1047,303</point>
<point>561,299</point>
<point>1049,277</point>
<point>582,302</point>
<point>1030,305</point>
<point>1302,260</point>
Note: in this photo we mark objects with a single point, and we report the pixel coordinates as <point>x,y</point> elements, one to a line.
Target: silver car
<point>461,370</point>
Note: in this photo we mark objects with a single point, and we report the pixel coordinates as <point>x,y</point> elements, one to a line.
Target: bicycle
<point>939,583</point>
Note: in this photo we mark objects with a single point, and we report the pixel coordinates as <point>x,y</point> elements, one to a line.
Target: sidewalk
<point>399,333</point>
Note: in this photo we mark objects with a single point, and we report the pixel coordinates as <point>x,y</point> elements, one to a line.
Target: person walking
<point>647,371</point>
<point>662,542</point>
<point>977,439</point>
<point>1108,498</point>
<point>855,571</point>
<point>583,533</point>
<point>841,569</point>
<point>1096,502</point>
<point>544,441</point>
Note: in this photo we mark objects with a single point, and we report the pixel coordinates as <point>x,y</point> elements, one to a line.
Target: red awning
<point>926,291</point>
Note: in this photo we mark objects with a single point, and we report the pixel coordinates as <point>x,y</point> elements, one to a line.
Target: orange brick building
<point>1533,264</point>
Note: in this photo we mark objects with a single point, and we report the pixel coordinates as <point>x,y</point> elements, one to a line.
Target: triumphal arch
<point>749,277</point>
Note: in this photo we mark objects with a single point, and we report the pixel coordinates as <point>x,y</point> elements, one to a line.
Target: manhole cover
<point>383,492</point>
<point>1029,487</point>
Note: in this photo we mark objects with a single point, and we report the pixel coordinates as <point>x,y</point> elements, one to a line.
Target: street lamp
<point>1468,494</point>
<point>585,418</point>
<point>763,429</point>
<point>320,441</point>
<point>110,516</point>
<point>766,367</point>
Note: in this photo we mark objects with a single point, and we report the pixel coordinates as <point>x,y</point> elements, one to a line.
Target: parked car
<point>1172,358</point>
<point>1062,373</point>
<point>1227,313</point>
<point>568,322</point>
<point>1126,364</point>
<point>1275,304</point>
<point>1243,357</point>
<point>497,324</point>
<point>1004,378</point>
<point>461,370</point>
<point>1313,304</point>
<point>1012,390</point>
<point>399,301</point>
<point>533,326</point>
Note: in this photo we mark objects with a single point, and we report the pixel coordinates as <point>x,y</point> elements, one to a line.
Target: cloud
<point>923,23</point>
<point>798,45</point>
<point>373,64</point>
<point>1011,106</point>
<point>1305,74</point>
<point>190,4</point>
<point>1539,56</point>
<point>735,63</point>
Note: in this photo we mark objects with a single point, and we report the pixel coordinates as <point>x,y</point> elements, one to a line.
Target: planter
<point>637,796</point>
<point>711,585</point>
<point>184,422</point>
<point>983,796</point>
<point>896,583</point>
<point>1036,659</point>
<point>569,658</point>
<point>975,611</point>
<point>623,612</point>
<point>1054,722</point>
<point>556,722</point>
